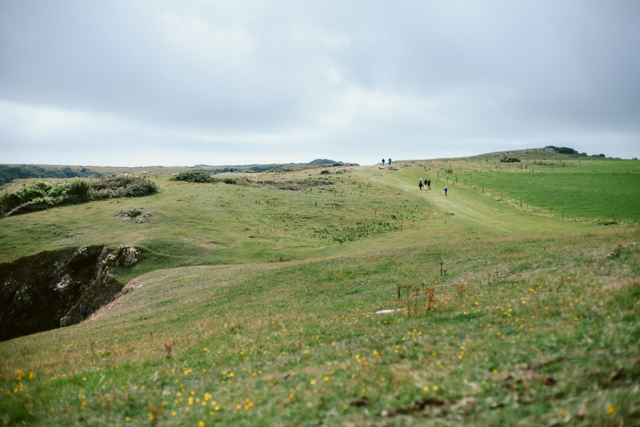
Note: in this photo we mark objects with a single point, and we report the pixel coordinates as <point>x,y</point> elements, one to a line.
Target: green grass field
<point>258,306</point>
<point>582,188</point>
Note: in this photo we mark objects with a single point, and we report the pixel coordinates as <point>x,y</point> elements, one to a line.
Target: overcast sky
<point>161,82</point>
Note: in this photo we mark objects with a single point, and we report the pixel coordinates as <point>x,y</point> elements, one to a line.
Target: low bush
<point>510,160</point>
<point>194,176</point>
<point>202,177</point>
<point>43,195</point>
<point>79,189</point>
<point>562,150</point>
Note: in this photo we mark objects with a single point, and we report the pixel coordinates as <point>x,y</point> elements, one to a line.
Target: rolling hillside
<point>301,298</point>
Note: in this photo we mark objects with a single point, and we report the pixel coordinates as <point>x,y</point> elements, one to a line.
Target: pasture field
<point>581,188</point>
<point>363,302</point>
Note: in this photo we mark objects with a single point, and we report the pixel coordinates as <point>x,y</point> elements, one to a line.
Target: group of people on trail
<point>427,184</point>
<point>421,184</point>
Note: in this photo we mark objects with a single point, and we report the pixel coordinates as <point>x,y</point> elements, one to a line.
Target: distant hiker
<point>420,184</point>
<point>389,162</point>
<point>445,191</point>
<point>428,183</point>
<point>382,162</point>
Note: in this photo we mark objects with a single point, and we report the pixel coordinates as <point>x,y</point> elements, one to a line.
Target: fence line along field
<point>348,298</point>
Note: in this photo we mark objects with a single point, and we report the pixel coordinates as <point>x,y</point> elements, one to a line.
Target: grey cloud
<point>292,79</point>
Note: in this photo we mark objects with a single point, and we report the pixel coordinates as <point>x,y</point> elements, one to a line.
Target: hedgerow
<point>43,195</point>
<point>194,176</point>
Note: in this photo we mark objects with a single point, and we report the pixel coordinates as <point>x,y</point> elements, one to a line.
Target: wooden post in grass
<point>563,216</point>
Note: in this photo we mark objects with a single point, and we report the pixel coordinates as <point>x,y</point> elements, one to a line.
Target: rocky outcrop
<point>58,288</point>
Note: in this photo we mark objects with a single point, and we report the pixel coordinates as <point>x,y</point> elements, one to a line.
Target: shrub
<point>324,172</point>
<point>562,150</point>
<point>115,182</point>
<point>510,160</point>
<point>25,195</point>
<point>202,177</point>
<point>41,195</point>
<point>122,186</point>
<point>37,204</point>
<point>58,190</point>
<point>32,191</point>
<point>11,201</point>
<point>194,176</point>
<point>79,188</point>
<point>140,189</point>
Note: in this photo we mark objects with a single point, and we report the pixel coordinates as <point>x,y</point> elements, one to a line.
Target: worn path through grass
<point>478,213</point>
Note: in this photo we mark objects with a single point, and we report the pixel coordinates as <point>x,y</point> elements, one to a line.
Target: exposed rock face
<point>57,288</point>
<point>126,256</point>
<point>134,213</point>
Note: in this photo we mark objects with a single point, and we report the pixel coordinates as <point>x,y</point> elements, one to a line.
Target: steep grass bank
<point>529,330</point>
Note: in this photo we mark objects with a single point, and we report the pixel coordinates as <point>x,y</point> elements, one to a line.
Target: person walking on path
<point>389,162</point>
<point>382,162</point>
<point>420,184</point>
<point>428,183</point>
<point>445,191</point>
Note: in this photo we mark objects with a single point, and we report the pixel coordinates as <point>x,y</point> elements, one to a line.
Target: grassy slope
<point>583,188</point>
<point>201,224</point>
<point>299,342</point>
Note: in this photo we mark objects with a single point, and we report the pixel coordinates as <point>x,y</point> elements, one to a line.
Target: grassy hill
<point>364,301</point>
<point>584,188</point>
